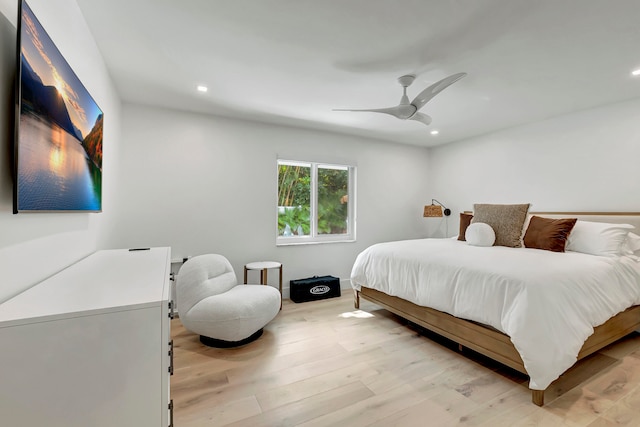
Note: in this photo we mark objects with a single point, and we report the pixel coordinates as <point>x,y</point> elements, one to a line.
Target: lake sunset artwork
<point>59,130</point>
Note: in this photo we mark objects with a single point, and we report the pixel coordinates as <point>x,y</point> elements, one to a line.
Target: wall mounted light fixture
<point>434,210</point>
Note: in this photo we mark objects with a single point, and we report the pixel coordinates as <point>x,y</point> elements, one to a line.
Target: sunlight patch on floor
<point>356,313</point>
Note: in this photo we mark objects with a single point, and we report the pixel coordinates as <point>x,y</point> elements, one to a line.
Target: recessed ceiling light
<point>636,72</point>
<point>202,88</point>
<point>435,132</point>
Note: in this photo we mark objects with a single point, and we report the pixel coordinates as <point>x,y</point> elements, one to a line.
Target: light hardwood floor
<point>323,363</point>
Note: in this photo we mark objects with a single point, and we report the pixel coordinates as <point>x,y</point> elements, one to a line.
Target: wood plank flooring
<point>324,363</point>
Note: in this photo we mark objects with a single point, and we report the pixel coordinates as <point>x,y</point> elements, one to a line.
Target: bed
<point>536,311</point>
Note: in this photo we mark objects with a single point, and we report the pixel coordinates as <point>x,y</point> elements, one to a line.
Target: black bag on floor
<point>314,288</point>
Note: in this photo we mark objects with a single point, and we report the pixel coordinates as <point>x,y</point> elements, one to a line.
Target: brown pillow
<point>507,221</point>
<point>465,220</point>
<point>548,234</point>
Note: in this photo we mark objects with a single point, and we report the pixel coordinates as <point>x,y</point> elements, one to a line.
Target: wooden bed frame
<point>491,342</point>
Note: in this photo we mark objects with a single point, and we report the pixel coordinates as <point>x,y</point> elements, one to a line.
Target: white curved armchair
<point>212,304</point>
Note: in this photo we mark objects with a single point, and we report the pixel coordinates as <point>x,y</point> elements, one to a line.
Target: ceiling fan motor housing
<point>406,80</point>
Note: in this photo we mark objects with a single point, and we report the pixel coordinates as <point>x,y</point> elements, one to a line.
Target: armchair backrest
<point>201,277</point>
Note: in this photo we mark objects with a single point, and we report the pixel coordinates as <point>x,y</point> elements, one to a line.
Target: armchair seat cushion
<point>234,315</point>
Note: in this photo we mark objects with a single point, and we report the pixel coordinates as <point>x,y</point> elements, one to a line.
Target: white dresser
<point>90,346</point>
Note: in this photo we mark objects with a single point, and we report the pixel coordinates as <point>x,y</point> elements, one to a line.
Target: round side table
<point>263,267</point>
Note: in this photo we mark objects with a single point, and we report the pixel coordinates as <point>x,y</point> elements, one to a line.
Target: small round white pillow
<point>480,234</point>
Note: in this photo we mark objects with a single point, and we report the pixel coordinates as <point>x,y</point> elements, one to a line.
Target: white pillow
<point>598,238</point>
<point>631,245</point>
<point>480,234</point>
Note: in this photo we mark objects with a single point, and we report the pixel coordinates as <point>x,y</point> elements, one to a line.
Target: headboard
<point>632,218</point>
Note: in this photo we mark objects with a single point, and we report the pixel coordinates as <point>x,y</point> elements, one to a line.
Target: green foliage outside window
<point>333,190</point>
<point>295,217</point>
<point>294,185</point>
<point>294,200</point>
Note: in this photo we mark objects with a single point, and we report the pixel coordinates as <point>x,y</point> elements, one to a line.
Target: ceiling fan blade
<point>422,118</point>
<point>397,111</point>
<point>426,95</point>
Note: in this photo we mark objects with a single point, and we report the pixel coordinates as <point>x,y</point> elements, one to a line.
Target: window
<point>315,202</point>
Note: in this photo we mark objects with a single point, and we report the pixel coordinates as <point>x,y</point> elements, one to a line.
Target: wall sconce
<point>434,210</point>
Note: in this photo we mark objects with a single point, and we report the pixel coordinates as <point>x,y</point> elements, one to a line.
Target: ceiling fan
<point>410,110</point>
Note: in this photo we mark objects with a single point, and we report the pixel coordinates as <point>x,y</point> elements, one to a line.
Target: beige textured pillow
<point>507,221</point>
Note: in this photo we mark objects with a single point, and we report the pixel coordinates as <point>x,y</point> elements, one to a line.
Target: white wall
<point>586,161</point>
<point>202,184</point>
<point>34,246</point>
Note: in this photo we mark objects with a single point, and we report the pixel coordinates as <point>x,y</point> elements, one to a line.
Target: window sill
<point>311,242</point>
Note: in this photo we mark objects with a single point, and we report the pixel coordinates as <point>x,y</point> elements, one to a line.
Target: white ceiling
<point>292,61</point>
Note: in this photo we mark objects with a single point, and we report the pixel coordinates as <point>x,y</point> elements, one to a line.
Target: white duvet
<point>548,303</point>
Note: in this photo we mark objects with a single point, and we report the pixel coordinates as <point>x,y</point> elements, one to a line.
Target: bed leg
<point>537,397</point>
<point>356,299</point>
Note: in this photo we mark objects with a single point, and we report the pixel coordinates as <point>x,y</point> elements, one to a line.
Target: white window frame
<point>314,237</point>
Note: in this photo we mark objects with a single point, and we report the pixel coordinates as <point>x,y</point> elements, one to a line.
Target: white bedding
<point>548,303</point>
